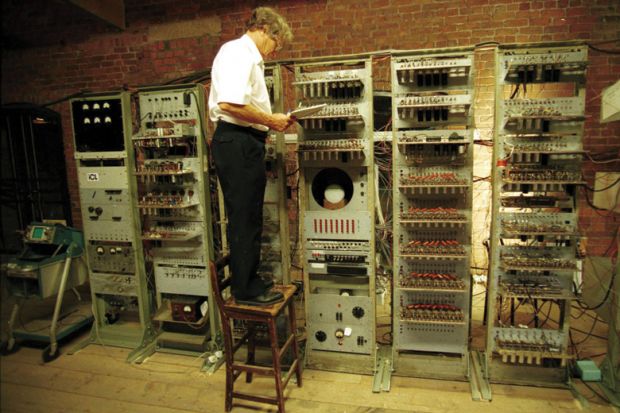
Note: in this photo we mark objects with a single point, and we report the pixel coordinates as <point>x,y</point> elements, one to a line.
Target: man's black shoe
<point>268,284</point>
<point>268,298</point>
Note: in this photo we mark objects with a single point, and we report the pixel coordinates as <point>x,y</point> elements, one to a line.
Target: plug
<point>300,287</point>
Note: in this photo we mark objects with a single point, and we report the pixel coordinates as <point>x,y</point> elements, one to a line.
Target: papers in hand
<point>301,113</point>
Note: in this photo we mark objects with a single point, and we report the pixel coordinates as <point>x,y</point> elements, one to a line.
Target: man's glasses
<point>277,41</point>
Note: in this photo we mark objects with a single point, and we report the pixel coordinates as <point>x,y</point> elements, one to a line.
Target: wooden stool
<point>230,310</point>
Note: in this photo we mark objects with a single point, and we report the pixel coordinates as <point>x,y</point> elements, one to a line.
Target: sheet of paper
<point>301,113</point>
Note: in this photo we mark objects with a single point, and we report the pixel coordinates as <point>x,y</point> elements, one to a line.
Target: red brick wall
<point>62,50</point>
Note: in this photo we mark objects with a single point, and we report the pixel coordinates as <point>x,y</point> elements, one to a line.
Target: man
<point>239,104</point>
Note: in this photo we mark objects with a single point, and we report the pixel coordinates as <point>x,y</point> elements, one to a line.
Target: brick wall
<point>53,49</point>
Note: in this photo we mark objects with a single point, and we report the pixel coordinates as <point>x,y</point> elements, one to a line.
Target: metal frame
<point>423,83</point>
<point>174,341</point>
<point>362,159</point>
<point>540,64</point>
<point>131,334</point>
<point>278,181</point>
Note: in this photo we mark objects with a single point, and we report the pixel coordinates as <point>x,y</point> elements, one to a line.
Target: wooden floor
<point>97,379</point>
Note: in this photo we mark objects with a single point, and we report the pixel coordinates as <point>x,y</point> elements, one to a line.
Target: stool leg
<point>228,346</point>
<point>251,349</point>
<point>275,349</point>
<point>293,326</point>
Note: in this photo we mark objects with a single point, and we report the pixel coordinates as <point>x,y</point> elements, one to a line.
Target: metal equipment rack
<point>432,115</point>
<point>534,236</point>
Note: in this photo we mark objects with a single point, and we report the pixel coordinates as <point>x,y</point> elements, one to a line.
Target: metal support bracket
<point>480,387</point>
<point>147,347</point>
<point>383,370</point>
<point>577,395</point>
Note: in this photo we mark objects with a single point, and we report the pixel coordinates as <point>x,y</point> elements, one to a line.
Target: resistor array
<point>166,198</point>
<point>431,280</point>
<point>333,118</point>
<point>438,213</point>
<point>532,287</point>
<point>538,147</point>
<point>516,175</point>
<point>334,144</point>
<point>337,111</point>
<point>514,261</point>
<point>169,231</point>
<point>529,226</point>
<point>431,313</point>
<point>433,247</point>
<point>436,178</point>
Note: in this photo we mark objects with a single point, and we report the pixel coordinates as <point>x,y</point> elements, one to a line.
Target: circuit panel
<point>432,99</point>
<point>335,154</point>
<point>121,302</point>
<point>174,205</point>
<point>534,236</point>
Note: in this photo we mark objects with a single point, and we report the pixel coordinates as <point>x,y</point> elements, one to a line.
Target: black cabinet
<point>33,176</point>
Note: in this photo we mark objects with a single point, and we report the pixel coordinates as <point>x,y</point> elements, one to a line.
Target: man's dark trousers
<point>239,154</point>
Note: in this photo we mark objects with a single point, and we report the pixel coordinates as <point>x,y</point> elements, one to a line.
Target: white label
<point>317,265</point>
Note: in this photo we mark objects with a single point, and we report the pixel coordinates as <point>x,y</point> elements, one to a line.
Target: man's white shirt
<point>238,77</point>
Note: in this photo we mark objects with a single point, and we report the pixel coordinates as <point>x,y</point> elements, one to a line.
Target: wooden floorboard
<point>97,379</point>
<point>19,398</point>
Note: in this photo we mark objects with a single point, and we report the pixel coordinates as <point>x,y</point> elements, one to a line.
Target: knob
<point>320,336</point>
<point>339,333</point>
<point>98,210</point>
<point>100,251</point>
<point>358,312</point>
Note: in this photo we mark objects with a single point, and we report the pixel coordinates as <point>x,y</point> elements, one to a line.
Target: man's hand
<point>249,113</point>
<point>281,121</point>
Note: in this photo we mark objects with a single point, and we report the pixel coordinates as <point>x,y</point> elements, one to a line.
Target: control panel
<point>111,257</point>
<point>121,302</point>
<point>337,210</point>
